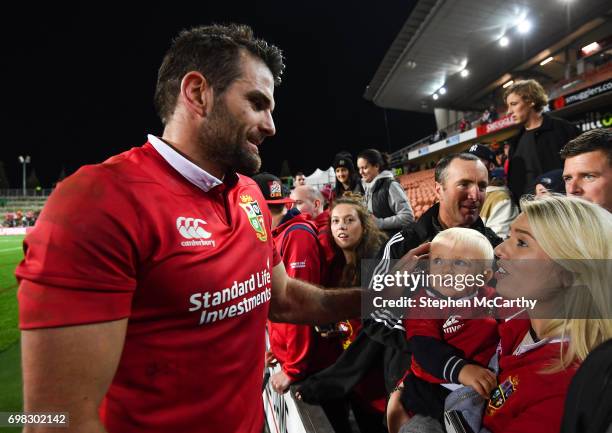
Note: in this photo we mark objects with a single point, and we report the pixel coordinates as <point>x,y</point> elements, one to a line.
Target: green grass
<point>10,364</point>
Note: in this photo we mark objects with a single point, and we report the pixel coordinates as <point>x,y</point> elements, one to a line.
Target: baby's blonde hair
<point>469,238</point>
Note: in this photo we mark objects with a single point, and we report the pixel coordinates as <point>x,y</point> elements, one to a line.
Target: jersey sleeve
<point>80,259</point>
<point>301,256</point>
<point>301,260</point>
<point>431,354</point>
<point>299,344</point>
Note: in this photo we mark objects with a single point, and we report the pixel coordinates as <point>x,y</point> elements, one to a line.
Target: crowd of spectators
<point>489,115</point>
<point>103,297</point>
<point>472,193</point>
<point>20,219</point>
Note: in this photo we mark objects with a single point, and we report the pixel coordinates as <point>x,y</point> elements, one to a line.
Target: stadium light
<point>435,96</point>
<point>524,26</point>
<point>591,48</point>
<point>504,41</point>
<point>546,60</point>
<point>442,91</point>
<point>508,84</point>
<point>24,160</point>
<point>464,73</point>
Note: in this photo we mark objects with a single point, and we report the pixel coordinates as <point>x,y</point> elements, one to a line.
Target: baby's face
<point>464,263</point>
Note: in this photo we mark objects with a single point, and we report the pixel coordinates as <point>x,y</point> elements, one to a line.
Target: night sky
<point>79,82</point>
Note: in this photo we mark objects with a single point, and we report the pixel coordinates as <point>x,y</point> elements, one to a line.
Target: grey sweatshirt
<point>397,202</point>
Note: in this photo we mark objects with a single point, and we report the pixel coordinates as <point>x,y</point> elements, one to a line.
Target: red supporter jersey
<point>527,398</point>
<point>327,243</point>
<point>132,238</point>
<point>475,338</point>
<point>298,348</point>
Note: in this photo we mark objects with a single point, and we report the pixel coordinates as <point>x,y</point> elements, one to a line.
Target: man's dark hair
<point>590,141</point>
<point>299,173</point>
<point>215,52</point>
<point>442,165</point>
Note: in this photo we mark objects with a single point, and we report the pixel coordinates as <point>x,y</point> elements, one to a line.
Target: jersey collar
<point>194,174</point>
<point>528,344</point>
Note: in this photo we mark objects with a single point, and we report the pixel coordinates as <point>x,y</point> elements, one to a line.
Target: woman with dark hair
<point>347,180</point>
<point>384,196</point>
<point>355,237</point>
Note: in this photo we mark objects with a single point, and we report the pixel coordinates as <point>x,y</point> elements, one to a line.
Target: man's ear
<point>317,203</point>
<point>438,188</point>
<point>197,93</point>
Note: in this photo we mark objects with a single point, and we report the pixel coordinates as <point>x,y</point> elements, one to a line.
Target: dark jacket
<point>588,406</point>
<point>536,151</point>
<point>354,187</point>
<point>382,337</point>
<point>387,201</point>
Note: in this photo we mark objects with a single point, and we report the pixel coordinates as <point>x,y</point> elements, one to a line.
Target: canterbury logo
<point>190,228</point>
<point>452,324</point>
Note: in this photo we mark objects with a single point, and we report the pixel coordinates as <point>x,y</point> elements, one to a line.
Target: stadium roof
<point>441,38</point>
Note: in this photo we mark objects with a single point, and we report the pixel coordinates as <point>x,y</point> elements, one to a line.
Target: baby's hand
<point>481,379</point>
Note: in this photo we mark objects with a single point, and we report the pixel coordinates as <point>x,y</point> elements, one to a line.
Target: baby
<point>446,347</point>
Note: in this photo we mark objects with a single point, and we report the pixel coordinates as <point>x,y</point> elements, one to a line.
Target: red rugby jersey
<point>132,237</point>
<point>527,398</point>
<point>327,244</point>
<point>296,346</point>
<point>475,339</point>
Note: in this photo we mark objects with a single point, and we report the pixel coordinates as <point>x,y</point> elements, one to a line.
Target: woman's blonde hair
<point>577,235</point>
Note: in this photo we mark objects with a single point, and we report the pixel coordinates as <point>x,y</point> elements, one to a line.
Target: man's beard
<point>224,142</point>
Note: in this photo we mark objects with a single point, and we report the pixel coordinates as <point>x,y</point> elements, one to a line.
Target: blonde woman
<point>559,253</point>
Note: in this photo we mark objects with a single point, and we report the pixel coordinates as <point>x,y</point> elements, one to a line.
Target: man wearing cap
<point>498,211</point>
<point>298,348</point>
<point>549,183</point>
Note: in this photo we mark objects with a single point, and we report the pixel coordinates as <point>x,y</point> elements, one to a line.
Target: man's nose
<point>267,126</point>
<point>473,192</point>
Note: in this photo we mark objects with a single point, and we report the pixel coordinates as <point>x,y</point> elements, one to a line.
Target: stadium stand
<point>571,59</point>
<point>419,188</point>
